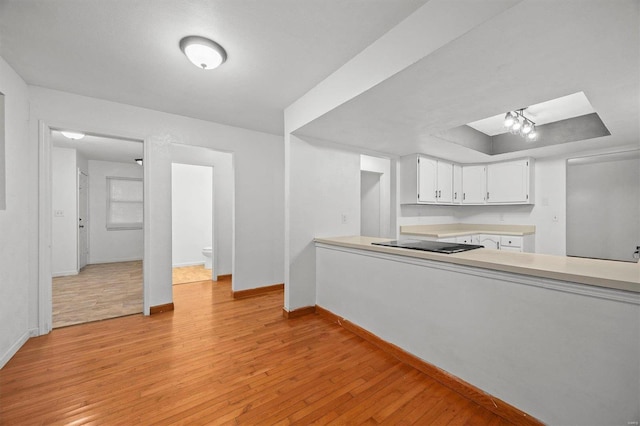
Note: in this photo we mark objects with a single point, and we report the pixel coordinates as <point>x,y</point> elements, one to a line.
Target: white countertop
<point>601,273</point>
<point>457,229</point>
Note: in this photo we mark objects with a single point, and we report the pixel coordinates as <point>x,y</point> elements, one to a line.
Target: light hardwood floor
<point>216,360</point>
<point>190,274</point>
<point>98,292</point>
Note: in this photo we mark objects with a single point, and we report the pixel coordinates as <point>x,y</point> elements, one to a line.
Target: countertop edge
<point>463,259</point>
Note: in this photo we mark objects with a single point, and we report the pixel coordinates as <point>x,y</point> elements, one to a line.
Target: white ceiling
<point>101,148</point>
<point>127,51</point>
<point>533,52</point>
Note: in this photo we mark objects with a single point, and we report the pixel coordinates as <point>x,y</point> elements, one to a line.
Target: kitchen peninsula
<point>556,337</point>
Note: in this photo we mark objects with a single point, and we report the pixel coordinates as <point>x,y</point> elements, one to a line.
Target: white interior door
<point>83,219</point>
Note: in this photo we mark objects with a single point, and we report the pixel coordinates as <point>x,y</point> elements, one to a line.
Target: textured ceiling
<point>127,51</point>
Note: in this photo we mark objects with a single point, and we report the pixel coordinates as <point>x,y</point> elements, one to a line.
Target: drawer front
<point>508,241</point>
<point>507,248</point>
<point>465,239</point>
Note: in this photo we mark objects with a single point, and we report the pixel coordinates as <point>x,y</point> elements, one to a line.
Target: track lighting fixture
<point>518,124</point>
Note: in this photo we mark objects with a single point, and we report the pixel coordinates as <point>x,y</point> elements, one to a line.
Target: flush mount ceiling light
<point>518,124</point>
<point>72,135</point>
<point>202,52</point>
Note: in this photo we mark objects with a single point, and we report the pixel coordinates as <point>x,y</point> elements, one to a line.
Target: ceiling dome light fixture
<point>202,52</point>
<point>525,128</point>
<point>72,135</point>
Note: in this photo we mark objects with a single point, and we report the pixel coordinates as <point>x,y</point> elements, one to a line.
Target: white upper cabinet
<point>510,182</point>
<point>445,182</point>
<point>474,184</point>
<point>457,184</point>
<point>425,180</point>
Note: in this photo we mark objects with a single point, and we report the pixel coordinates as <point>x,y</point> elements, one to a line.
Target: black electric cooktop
<point>435,246</point>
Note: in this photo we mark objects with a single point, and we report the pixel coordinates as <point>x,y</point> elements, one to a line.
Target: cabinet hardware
<point>439,194</point>
<point>455,195</point>
<point>487,195</point>
<point>464,196</point>
<point>436,193</point>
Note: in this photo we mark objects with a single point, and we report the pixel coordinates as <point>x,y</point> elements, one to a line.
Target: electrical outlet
<point>344,218</point>
<point>58,213</point>
<point>555,217</point>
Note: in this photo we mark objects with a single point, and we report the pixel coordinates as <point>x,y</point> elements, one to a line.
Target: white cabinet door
<point>473,184</point>
<point>427,180</point>
<point>457,184</point>
<point>435,181</point>
<point>508,182</point>
<point>489,241</point>
<point>445,182</point>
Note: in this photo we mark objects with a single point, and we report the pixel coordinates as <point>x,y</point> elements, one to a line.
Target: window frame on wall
<point>131,205</point>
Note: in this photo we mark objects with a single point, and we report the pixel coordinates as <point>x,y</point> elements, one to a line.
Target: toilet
<point>206,252</point>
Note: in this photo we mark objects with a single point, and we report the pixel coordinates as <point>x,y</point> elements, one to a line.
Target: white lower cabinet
<point>496,242</point>
<point>489,241</point>
<point>465,239</point>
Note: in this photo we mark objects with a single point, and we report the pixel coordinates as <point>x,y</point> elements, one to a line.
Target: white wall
<point>110,246</point>
<point>64,250</point>
<point>258,178</point>
<point>223,201</point>
<point>562,352</point>
<point>550,196</point>
<point>17,268</point>
<point>324,185</point>
<point>191,213</point>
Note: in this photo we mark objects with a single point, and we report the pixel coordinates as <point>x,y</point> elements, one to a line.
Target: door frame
<point>86,218</point>
<point>214,221</point>
<point>45,225</point>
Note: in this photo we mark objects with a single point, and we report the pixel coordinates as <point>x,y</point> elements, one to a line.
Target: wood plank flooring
<point>215,360</point>
<point>100,291</point>
<point>190,274</point>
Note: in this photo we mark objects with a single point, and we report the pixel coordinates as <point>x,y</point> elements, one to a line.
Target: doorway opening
<point>192,223</point>
<point>97,242</point>
<point>369,203</point>
<point>375,197</point>
<point>202,213</point>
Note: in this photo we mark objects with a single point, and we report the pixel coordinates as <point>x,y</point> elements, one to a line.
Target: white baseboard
<point>100,261</point>
<point>63,274</point>
<point>179,265</point>
<point>34,332</point>
<point>13,349</point>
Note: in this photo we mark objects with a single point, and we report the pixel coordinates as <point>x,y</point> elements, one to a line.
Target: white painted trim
<point>45,226</point>
<point>13,349</point>
<point>563,286</point>
<point>146,283</point>
<point>64,274</point>
<point>117,260</point>
<point>179,265</point>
